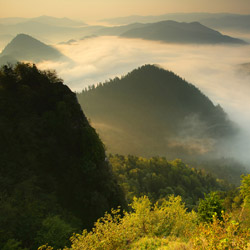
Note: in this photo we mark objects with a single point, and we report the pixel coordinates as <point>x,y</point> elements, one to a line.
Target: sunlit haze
<point>92,10</point>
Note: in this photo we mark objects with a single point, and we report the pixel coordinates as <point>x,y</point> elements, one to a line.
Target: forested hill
<point>53,172</point>
<point>152,111</point>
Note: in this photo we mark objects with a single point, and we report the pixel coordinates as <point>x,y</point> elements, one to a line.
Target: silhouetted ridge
<point>52,161</point>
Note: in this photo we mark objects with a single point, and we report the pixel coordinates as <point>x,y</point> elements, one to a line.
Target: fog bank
<point>213,69</point>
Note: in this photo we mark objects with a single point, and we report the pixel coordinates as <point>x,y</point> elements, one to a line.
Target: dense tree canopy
<point>52,160</point>
<point>158,178</point>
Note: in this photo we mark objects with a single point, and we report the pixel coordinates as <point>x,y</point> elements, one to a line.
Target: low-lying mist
<point>213,69</point>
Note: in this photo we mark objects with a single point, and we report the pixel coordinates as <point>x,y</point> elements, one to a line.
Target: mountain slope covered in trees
<point>151,111</point>
<point>53,174</point>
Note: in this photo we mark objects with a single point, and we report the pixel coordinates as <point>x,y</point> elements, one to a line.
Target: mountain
<point>151,111</point>
<point>168,31</point>
<point>55,30</point>
<point>221,21</point>
<point>27,48</point>
<point>179,17</point>
<point>55,179</point>
<point>175,32</point>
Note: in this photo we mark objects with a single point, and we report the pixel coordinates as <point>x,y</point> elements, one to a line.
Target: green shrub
<point>112,231</point>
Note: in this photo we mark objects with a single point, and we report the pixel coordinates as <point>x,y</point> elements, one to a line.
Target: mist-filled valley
<point>215,69</point>
<point>134,129</point>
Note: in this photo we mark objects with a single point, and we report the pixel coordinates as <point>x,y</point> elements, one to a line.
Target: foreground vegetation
<point>168,225</point>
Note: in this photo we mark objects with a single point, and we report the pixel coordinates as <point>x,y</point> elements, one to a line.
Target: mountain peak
<point>26,48</point>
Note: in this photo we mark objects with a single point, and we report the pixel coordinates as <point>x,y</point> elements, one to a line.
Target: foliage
<point>158,178</point>
<point>245,190</point>
<point>167,225</point>
<point>145,220</point>
<point>221,234</point>
<point>55,232</point>
<point>149,243</point>
<point>209,207</point>
<point>13,244</point>
<point>52,162</point>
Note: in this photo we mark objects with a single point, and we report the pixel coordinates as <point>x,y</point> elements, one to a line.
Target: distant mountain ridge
<point>151,111</point>
<point>26,48</point>
<point>171,31</point>
<point>223,21</point>
<point>56,30</point>
<point>179,17</point>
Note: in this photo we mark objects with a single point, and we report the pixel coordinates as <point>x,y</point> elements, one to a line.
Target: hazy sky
<point>88,10</point>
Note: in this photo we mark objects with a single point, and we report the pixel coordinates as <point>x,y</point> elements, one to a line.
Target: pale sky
<point>90,10</point>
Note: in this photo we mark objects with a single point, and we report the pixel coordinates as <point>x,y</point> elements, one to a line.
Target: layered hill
<point>26,48</point>
<point>54,176</point>
<point>175,32</point>
<point>151,111</point>
<point>56,30</point>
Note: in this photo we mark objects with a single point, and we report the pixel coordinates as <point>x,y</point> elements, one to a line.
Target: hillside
<point>151,111</point>
<point>175,32</point>
<point>54,176</point>
<point>27,48</point>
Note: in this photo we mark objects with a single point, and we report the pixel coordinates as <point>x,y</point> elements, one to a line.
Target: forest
<point>60,189</point>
